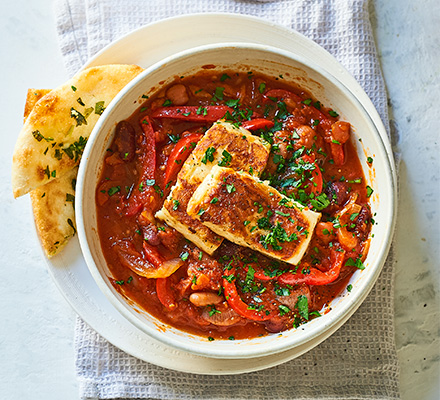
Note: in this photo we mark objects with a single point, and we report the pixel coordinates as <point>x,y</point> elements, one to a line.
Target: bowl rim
<point>342,313</point>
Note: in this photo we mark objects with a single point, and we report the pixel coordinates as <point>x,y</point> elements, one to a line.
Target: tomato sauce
<point>236,292</point>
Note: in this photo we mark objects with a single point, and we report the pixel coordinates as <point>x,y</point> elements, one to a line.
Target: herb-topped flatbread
<point>53,205</point>
<point>56,131</point>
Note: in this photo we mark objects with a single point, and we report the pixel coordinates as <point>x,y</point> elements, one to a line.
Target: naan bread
<point>54,212</point>
<point>33,95</point>
<point>52,203</point>
<point>55,133</point>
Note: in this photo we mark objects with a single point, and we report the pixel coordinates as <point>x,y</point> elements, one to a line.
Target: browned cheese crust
<point>250,213</point>
<point>247,153</point>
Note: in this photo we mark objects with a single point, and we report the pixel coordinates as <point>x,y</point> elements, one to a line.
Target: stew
<point>235,292</point>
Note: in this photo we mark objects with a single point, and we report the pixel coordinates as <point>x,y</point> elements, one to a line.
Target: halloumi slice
<point>223,143</point>
<point>247,211</point>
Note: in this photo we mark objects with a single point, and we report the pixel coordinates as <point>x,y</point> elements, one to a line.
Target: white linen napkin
<point>357,362</point>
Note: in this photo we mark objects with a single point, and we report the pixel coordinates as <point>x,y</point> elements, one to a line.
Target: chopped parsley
<point>352,263</point>
<point>113,190</point>
<point>99,107</point>
<point>320,202</point>
<point>39,137</point>
<point>262,87</point>
<point>79,118</point>
<point>303,306</point>
<point>230,188</point>
<point>218,94</point>
<point>209,155</point>
<point>75,150</point>
<point>174,138</point>
<point>226,159</point>
<point>283,309</point>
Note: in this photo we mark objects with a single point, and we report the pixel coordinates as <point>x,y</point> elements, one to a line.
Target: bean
<point>202,299</point>
<point>125,140</point>
<point>178,95</point>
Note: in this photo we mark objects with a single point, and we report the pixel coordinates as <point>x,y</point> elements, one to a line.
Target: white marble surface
<point>36,329</point>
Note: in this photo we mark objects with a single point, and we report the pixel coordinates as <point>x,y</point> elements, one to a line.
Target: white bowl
<point>270,61</point>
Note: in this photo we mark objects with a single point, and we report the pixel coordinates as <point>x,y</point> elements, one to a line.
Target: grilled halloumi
<point>222,144</point>
<point>247,211</point>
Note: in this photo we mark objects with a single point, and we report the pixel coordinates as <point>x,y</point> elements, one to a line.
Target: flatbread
<point>33,95</point>
<point>55,132</point>
<point>53,205</point>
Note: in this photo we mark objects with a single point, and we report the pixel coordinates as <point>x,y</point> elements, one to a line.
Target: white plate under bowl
<point>69,270</point>
<point>242,58</point>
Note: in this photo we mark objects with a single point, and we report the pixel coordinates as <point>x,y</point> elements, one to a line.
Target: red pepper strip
<point>133,208</point>
<point>164,293</point>
<point>317,175</point>
<point>192,113</point>
<point>148,166</point>
<point>258,123</point>
<point>148,149</point>
<point>316,277</point>
<point>152,255</point>
<point>237,304</point>
<point>337,151</point>
<point>259,272</point>
<point>179,154</point>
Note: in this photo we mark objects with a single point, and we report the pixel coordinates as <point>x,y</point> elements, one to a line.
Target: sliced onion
<point>130,258</point>
<point>351,202</point>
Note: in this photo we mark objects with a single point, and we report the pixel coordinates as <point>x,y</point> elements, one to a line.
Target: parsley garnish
<point>99,107</point>
<point>75,150</point>
<point>283,309</point>
<point>303,306</point>
<point>226,159</point>
<point>174,138</point>
<point>320,202</point>
<point>230,188</point>
<point>39,137</point>
<point>113,190</point>
<point>209,155</point>
<point>79,118</point>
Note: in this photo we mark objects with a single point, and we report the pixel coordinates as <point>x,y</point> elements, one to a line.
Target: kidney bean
<point>125,140</point>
